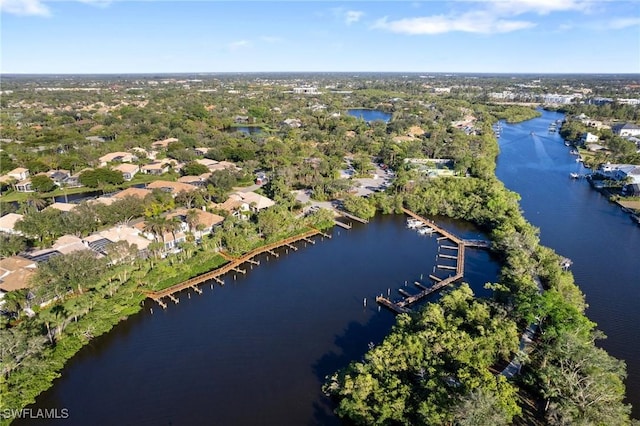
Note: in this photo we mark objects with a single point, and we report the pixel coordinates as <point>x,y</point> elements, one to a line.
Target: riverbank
<point>100,307</point>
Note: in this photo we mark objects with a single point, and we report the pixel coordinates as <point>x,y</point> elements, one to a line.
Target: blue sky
<point>511,36</point>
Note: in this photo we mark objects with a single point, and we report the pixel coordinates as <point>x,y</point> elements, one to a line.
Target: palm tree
<point>192,219</point>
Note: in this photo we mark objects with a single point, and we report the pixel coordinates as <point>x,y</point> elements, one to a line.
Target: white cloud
<point>240,44</point>
<point>473,22</point>
<point>540,7</point>
<point>621,23</point>
<point>24,7</point>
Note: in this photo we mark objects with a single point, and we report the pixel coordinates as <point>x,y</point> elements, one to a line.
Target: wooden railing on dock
<point>402,306</point>
<point>233,265</point>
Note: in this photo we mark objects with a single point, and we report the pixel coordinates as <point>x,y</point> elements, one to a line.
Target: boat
<point>574,175</point>
<point>574,152</point>
<point>532,133</point>
<point>426,231</point>
<point>414,223</point>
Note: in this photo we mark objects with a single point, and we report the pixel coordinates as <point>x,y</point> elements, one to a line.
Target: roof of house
<point>174,187</point>
<point>127,168</point>
<point>123,233</point>
<point>206,162</point>
<point>18,170</point>
<point>13,263</point>
<point>69,243</point>
<point>9,220</point>
<point>15,272</point>
<point>260,201</point>
<point>65,207</point>
<point>155,166</point>
<point>16,280</point>
<point>200,178</point>
<point>205,219</point>
<point>132,192</point>
<point>165,142</point>
<point>113,155</point>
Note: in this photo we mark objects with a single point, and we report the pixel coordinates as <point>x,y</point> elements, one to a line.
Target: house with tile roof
<point>8,223</point>
<point>15,273</point>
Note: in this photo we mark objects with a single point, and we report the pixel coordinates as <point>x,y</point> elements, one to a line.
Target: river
<point>580,223</point>
<point>256,351</point>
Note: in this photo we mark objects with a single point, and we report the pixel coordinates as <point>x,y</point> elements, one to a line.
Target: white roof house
<point>8,223</point>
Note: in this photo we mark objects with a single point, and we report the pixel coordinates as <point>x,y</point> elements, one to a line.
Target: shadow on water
<point>351,346</point>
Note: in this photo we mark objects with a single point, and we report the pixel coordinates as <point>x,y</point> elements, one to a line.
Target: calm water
<point>580,223</point>
<point>369,115</point>
<point>255,351</point>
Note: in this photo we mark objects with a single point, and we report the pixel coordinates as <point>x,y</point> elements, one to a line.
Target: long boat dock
<point>403,305</point>
<point>233,265</point>
<point>350,216</point>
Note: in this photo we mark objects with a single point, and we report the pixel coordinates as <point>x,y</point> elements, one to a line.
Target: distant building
<point>589,138</point>
<point>626,129</point>
<point>306,91</point>
<point>128,170</point>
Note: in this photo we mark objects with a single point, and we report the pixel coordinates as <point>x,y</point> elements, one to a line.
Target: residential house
<point>241,119</point>
<point>620,172</point>
<point>69,243</point>
<point>8,223</point>
<point>128,170</point>
<point>199,181</point>
<point>64,207</point>
<point>73,181</point>
<point>240,202</point>
<point>59,177</point>
<point>626,129</point>
<point>223,165</point>
<point>173,187</point>
<point>205,223</point>
<point>171,240</point>
<point>99,241</point>
<point>201,150</point>
<point>143,153</point>
<point>140,193</point>
<point>589,138</point>
<point>15,273</point>
<point>206,162</point>
<point>632,190</point>
<point>121,157</point>
<point>163,144</point>
<point>24,186</point>
<point>156,168</point>
<point>19,173</point>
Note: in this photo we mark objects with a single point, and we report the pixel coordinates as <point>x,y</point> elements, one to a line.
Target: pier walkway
<point>233,265</point>
<point>403,305</point>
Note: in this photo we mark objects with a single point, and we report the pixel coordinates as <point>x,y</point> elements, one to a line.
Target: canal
<point>256,351</point>
<point>580,223</point>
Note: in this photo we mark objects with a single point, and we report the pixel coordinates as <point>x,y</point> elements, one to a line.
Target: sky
<point>163,36</point>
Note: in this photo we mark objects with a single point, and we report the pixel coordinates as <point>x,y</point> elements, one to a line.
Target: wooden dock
<point>342,224</point>
<point>402,306</point>
<point>350,216</point>
<point>233,265</point>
